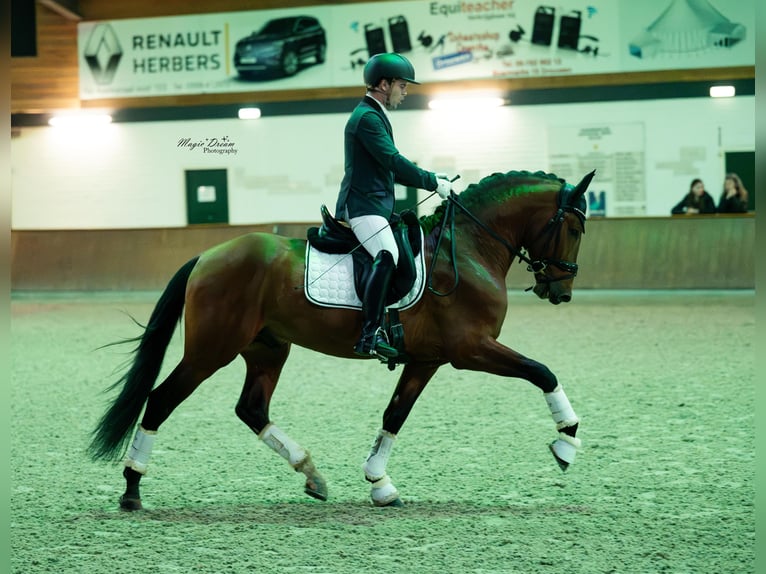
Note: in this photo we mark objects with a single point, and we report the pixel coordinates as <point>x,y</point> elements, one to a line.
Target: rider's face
<point>397,91</point>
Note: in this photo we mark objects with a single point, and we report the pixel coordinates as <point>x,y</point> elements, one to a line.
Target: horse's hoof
<point>395,503</point>
<point>384,492</point>
<point>564,449</point>
<point>315,493</point>
<point>563,465</point>
<point>316,488</point>
<point>130,504</point>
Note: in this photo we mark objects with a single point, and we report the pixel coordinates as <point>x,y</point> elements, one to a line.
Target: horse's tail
<point>111,435</point>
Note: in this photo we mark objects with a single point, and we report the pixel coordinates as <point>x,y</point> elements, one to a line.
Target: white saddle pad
<point>329,280</point>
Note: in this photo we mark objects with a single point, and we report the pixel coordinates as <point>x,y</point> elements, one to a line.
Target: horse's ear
<point>579,191</point>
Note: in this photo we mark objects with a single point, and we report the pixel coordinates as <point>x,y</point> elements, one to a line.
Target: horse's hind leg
<point>265,359</point>
<point>162,401</point>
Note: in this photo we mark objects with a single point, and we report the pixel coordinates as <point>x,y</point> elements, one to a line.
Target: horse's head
<point>554,249</point>
<point>516,210</point>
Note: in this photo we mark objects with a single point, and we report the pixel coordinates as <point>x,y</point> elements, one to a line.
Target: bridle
<point>536,266</point>
<point>565,206</point>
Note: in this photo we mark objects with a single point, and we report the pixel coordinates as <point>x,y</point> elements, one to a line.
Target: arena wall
<point>691,252</point>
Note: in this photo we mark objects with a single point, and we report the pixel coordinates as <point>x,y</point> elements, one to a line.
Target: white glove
<point>443,186</point>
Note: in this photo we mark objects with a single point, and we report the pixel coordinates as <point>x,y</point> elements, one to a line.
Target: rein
<point>449,215</point>
<point>536,266</point>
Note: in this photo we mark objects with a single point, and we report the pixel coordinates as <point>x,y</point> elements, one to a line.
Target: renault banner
<point>448,40</point>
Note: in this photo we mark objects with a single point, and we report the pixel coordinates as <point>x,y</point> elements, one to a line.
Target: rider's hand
<point>443,185</point>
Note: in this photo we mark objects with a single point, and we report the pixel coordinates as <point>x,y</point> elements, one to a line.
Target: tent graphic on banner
<point>687,26</point>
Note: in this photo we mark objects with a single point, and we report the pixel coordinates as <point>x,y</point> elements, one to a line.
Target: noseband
<point>536,266</point>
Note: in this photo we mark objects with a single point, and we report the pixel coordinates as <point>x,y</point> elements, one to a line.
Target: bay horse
<point>245,297</point>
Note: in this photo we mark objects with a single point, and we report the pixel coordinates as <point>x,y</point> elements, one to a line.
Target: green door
<point>406,198</point>
<point>206,196</point>
<point>743,164</point>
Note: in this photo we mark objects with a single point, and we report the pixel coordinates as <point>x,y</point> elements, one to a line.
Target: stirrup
<point>376,345</point>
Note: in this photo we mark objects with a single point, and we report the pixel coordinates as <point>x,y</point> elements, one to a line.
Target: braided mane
<point>494,188</point>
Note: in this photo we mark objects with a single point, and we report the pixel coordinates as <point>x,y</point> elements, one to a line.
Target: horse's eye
<point>574,233</point>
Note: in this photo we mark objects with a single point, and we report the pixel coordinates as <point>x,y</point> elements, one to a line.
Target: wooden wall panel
<point>110,10</point>
<point>704,252</point>
<point>687,252</point>
<point>50,82</point>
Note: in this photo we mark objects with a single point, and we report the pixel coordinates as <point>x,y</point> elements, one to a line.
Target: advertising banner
<point>449,40</point>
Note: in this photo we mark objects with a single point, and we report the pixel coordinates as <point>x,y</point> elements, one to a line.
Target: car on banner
<point>281,46</point>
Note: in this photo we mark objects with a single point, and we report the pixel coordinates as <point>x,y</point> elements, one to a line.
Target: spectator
<point>734,195</point>
<point>696,201</point>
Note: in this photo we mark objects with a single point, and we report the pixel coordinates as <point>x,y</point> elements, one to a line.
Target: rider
<point>366,198</point>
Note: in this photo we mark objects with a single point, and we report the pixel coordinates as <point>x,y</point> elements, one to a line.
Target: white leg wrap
<point>375,465</point>
<point>566,447</point>
<point>561,411</point>
<point>283,445</point>
<point>138,453</point>
<point>383,491</point>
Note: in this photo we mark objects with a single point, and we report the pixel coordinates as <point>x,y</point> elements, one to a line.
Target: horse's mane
<point>494,188</point>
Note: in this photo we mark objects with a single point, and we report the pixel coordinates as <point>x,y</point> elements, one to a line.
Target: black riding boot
<point>373,341</point>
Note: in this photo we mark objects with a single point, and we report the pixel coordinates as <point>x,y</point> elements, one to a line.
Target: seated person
<point>697,200</point>
<point>734,195</point>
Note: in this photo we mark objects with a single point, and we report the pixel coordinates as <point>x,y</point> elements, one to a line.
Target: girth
<point>335,236</point>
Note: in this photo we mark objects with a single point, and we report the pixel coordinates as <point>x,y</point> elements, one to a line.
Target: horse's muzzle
<point>563,298</point>
<point>552,292</point>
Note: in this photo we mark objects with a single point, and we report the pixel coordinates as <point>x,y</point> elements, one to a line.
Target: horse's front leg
<point>411,383</point>
<point>486,354</point>
<point>265,359</point>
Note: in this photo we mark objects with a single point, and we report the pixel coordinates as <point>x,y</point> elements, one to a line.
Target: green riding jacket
<point>373,165</point>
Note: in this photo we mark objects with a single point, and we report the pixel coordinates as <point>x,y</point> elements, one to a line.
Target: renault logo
<point>103,53</point>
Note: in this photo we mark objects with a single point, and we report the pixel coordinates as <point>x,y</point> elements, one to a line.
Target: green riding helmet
<point>388,65</point>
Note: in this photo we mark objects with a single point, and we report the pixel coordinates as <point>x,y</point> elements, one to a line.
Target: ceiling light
<point>80,120</point>
<point>249,113</point>
<point>722,91</point>
<point>466,104</point>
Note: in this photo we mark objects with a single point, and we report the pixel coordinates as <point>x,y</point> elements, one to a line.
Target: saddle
<point>336,237</point>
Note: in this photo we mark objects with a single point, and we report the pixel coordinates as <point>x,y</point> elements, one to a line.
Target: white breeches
<point>375,234</point>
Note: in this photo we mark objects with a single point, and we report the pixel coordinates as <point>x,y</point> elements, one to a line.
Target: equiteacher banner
<point>327,46</point>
